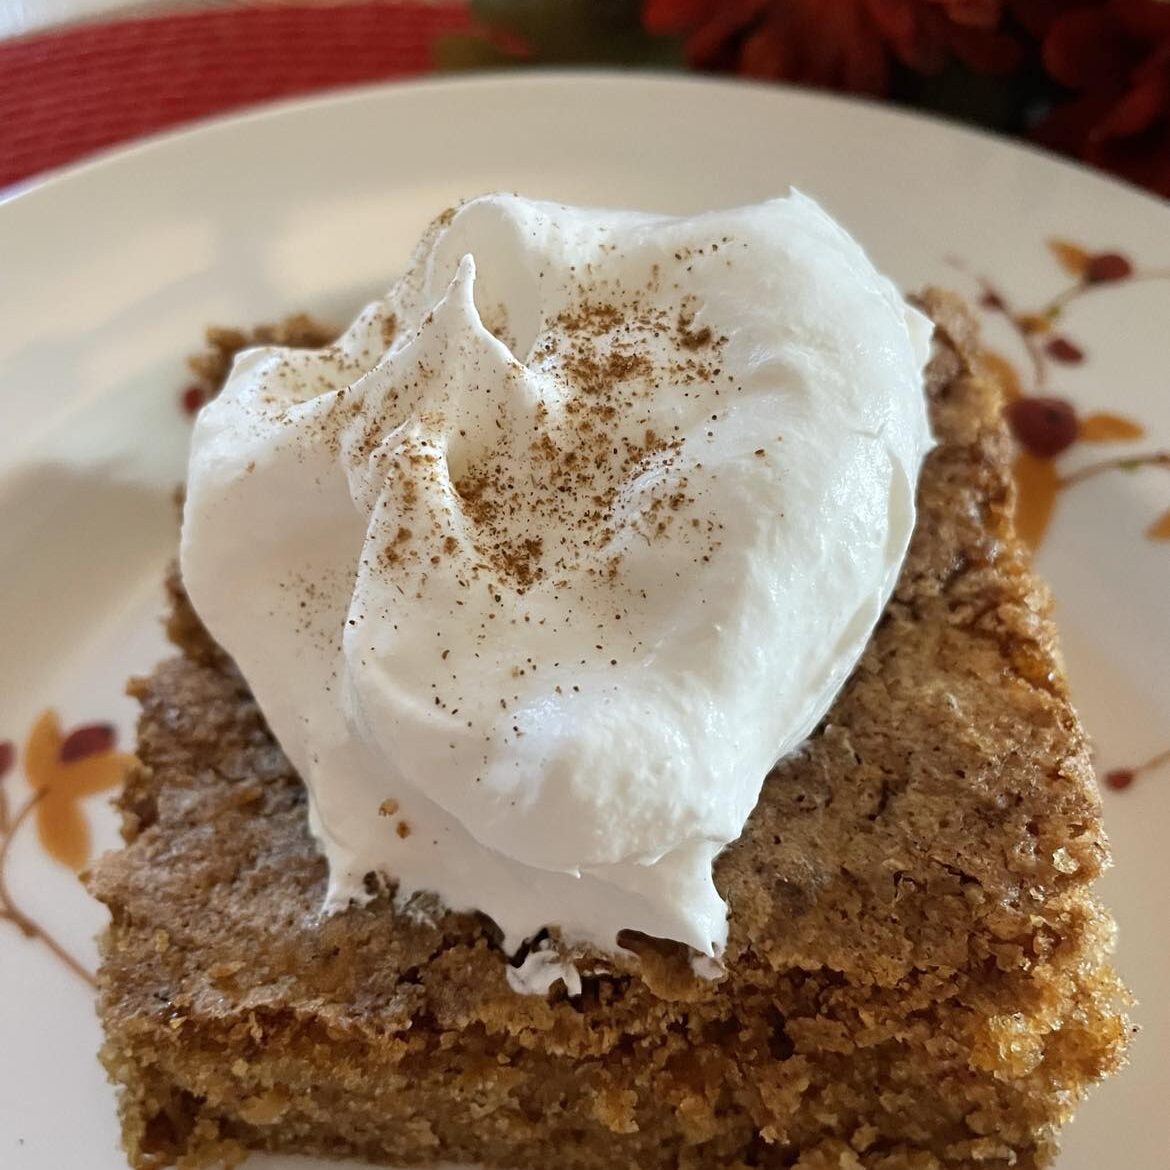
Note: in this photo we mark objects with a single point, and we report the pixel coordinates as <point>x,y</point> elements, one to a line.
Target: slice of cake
<point>915,974</point>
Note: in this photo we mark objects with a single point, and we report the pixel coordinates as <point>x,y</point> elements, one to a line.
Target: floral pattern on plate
<point>1046,424</point>
<point>62,769</point>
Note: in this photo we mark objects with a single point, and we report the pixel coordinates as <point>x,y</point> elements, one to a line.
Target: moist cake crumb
<point>917,975</point>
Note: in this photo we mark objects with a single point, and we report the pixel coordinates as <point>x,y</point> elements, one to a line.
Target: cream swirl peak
<point>540,568</point>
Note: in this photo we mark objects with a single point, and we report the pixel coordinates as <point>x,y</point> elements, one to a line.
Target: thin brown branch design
<point>61,769</point>
<point>10,912</point>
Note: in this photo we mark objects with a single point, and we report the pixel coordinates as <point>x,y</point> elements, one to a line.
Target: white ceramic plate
<point>109,273</point>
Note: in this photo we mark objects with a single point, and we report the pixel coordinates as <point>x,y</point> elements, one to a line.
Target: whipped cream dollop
<point>541,567</point>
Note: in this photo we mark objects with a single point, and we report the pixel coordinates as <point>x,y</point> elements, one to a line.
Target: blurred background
<point>1087,78</point>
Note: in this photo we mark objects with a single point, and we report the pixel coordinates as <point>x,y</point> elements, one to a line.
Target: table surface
<point>94,84</point>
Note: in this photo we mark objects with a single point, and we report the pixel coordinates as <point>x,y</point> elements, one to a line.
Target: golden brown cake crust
<point>917,975</point>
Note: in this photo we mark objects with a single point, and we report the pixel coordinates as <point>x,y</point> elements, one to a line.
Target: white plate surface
<point>109,273</point>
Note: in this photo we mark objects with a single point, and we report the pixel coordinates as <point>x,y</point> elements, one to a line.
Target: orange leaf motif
<point>1160,529</point>
<point>1103,427</point>
<point>1034,322</point>
<point>1037,484</point>
<point>1071,257</point>
<point>1001,370</point>
<point>61,823</point>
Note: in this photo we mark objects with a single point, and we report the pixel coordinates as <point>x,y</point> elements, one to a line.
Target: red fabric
<point>67,93</point>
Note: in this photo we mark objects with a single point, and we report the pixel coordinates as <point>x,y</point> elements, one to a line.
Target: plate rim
<point>881,110</point>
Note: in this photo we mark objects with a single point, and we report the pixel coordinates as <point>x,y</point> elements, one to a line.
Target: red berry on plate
<point>1107,266</point>
<point>1043,426</point>
<point>7,756</point>
<point>193,398</point>
<point>87,740</point>
<point>1062,350</point>
<point>1120,779</point>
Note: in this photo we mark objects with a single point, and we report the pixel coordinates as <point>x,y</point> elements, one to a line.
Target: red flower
<point>842,44</point>
<point>1115,56</point>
